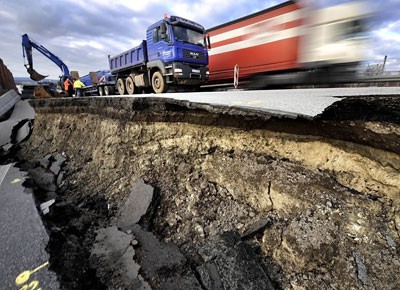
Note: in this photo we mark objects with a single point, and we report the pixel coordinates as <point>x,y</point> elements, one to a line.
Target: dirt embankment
<point>6,79</point>
<point>318,200</point>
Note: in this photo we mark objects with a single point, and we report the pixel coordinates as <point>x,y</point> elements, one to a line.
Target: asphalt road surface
<point>23,237</point>
<point>290,103</point>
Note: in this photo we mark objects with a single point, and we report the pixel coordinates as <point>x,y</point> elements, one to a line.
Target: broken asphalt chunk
<point>45,207</point>
<point>57,162</point>
<point>18,127</point>
<point>112,255</point>
<point>136,206</point>
<point>163,263</point>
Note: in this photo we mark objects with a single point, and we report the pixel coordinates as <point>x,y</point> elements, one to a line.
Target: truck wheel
<point>158,83</point>
<point>108,90</point>
<point>121,86</point>
<point>130,85</point>
<point>101,91</point>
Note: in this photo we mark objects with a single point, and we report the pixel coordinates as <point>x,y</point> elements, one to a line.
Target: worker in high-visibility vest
<point>68,87</point>
<point>78,86</point>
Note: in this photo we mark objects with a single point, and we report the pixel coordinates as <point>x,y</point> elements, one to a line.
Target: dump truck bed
<point>133,57</point>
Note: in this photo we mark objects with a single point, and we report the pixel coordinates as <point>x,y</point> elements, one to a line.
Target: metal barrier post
<point>236,76</point>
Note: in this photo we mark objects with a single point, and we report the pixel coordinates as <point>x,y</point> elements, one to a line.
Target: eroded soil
<point>320,210</point>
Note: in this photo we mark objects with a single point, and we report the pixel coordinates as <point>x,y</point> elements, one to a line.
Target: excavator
<point>27,46</point>
<point>96,83</point>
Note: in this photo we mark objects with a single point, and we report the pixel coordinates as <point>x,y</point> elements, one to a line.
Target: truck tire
<point>121,86</point>
<point>100,91</point>
<point>108,90</point>
<point>158,83</point>
<point>130,86</point>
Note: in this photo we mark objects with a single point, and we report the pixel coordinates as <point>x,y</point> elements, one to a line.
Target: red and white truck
<point>289,43</point>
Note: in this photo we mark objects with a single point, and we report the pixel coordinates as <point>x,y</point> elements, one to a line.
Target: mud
<point>314,202</point>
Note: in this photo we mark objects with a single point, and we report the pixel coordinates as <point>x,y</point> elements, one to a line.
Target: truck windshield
<point>188,35</point>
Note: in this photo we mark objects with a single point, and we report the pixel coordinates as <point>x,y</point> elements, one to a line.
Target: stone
<point>45,207</point>
<point>361,269</point>
<point>43,179</point>
<point>136,206</point>
<point>256,227</point>
<point>113,253</point>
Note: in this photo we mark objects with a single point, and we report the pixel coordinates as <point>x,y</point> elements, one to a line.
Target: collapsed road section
<point>16,121</point>
<point>165,194</point>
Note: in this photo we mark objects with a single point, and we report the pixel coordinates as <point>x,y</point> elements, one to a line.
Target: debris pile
<point>125,254</point>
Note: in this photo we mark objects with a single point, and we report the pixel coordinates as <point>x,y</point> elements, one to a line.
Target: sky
<point>83,33</point>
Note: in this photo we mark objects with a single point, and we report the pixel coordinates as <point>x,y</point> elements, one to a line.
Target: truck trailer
<point>289,44</point>
<point>100,82</point>
<point>174,54</point>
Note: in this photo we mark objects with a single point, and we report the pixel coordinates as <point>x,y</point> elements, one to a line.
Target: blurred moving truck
<point>290,44</point>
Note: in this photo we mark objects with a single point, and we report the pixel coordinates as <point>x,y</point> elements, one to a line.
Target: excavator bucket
<point>35,75</point>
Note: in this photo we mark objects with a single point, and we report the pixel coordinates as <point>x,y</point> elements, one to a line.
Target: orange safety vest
<point>67,83</point>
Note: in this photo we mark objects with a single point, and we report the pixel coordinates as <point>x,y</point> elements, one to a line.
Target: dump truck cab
<point>178,48</point>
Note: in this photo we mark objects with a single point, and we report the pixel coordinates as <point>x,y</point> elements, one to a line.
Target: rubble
<point>232,264</point>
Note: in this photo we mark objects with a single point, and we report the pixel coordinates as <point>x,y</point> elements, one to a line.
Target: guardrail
<point>381,78</point>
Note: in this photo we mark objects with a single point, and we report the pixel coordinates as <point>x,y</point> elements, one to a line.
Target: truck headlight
<point>178,72</point>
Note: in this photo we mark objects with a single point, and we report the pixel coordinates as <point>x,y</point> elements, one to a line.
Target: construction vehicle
<point>174,54</point>
<point>42,91</point>
<point>27,45</point>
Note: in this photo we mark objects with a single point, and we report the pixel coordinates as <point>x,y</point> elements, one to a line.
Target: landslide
<point>319,198</point>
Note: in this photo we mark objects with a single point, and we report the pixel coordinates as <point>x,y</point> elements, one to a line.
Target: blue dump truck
<point>174,54</point>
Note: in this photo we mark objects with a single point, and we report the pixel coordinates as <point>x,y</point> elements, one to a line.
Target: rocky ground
<point>152,194</point>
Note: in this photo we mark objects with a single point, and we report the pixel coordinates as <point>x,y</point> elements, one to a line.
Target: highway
<point>295,102</point>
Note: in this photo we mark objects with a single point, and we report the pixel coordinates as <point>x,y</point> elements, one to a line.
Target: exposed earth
<point>157,194</point>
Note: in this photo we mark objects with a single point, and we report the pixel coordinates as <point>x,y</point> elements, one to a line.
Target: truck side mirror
<point>208,41</point>
<point>163,30</point>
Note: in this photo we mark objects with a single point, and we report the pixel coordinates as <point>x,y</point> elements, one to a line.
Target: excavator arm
<point>27,46</point>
